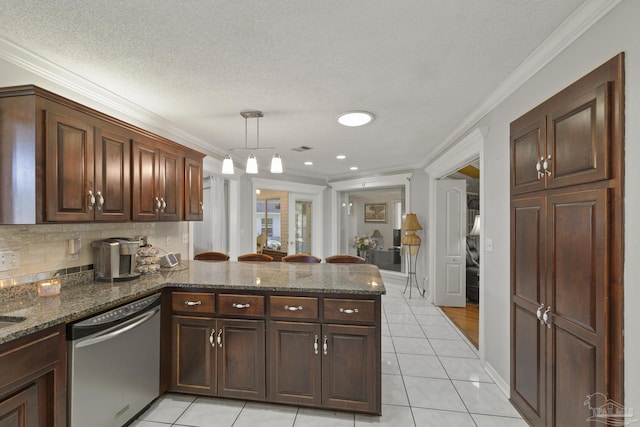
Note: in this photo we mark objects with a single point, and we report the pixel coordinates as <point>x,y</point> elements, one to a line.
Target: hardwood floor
<point>465,318</point>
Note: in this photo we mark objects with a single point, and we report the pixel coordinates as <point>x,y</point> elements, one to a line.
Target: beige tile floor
<point>431,376</point>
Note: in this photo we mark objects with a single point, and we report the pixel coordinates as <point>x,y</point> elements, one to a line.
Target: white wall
<point>616,32</point>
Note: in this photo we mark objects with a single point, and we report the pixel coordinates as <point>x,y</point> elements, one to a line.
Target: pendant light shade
<point>252,161</point>
<point>227,165</point>
<point>252,164</point>
<point>276,164</point>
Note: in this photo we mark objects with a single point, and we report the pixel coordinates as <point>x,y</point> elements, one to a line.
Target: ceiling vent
<point>301,148</point>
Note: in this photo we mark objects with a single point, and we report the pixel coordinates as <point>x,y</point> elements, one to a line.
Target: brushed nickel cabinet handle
<point>546,164</point>
<point>213,331</point>
<point>190,303</point>
<point>546,317</point>
<point>92,200</point>
<point>348,310</point>
<point>539,167</point>
<point>315,345</point>
<point>219,339</point>
<point>539,313</point>
<point>325,346</point>
<point>292,308</point>
<point>100,201</point>
<point>239,305</point>
<point>158,204</point>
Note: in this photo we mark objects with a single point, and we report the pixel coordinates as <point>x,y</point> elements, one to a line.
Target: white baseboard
<point>500,382</point>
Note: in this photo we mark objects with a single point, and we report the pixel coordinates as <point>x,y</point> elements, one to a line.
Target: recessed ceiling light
<point>308,163</point>
<point>355,118</point>
<point>354,168</point>
<point>341,157</point>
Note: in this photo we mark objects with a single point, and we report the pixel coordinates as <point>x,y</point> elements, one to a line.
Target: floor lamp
<point>411,243</point>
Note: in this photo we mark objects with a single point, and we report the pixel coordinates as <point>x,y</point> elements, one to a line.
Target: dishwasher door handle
<point>119,329</point>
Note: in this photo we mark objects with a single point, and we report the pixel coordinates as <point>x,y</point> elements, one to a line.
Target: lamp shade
<point>252,164</point>
<point>411,223</point>
<point>475,230</point>
<point>376,234</point>
<point>276,164</point>
<point>227,165</point>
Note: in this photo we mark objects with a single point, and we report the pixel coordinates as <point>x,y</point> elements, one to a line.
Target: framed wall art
<point>375,212</point>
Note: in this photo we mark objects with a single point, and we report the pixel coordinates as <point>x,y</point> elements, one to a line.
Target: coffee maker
<point>115,259</point>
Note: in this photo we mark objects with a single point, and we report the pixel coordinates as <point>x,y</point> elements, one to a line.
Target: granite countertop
<point>84,299</point>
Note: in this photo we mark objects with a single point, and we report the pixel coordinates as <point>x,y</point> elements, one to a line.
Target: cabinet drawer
<point>355,310</point>
<point>193,302</point>
<point>241,305</point>
<point>293,307</point>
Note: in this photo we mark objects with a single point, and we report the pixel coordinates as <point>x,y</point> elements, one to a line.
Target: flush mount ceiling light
<point>355,118</point>
<point>341,157</point>
<point>252,161</point>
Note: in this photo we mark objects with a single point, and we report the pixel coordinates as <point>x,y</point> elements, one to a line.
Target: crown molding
<point>79,86</point>
<point>573,27</point>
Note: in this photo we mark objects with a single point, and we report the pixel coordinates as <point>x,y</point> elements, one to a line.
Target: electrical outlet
<point>488,245</point>
<point>185,238</point>
<point>167,241</point>
<point>9,260</point>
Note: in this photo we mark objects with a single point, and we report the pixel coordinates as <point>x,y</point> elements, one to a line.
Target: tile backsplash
<point>43,248</point>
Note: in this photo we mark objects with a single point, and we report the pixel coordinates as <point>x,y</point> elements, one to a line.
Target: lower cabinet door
<point>241,358</point>
<point>350,366</point>
<point>295,363</point>
<point>193,355</point>
<point>21,409</point>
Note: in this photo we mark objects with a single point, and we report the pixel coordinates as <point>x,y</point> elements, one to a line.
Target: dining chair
<point>211,256</point>
<point>301,258</point>
<point>345,259</point>
<point>255,257</point>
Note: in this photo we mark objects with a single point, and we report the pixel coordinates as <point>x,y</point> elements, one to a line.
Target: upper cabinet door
<point>527,153</point>
<point>170,183</point>
<point>579,139</point>
<point>112,175</point>
<point>70,193</point>
<point>192,188</point>
<point>144,198</point>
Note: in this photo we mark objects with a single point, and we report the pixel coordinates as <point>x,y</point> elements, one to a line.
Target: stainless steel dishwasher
<point>114,364</point>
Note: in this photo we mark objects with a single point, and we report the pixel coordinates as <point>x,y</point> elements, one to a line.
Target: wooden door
<point>527,153</point>
<point>170,186</point>
<point>528,297</point>
<point>579,139</point>
<point>193,188</point>
<point>349,367</point>
<point>241,359</point>
<point>69,167</point>
<point>578,294</point>
<point>145,197</point>
<point>193,355</point>
<point>295,363</point>
<point>21,409</point>
<point>112,175</point>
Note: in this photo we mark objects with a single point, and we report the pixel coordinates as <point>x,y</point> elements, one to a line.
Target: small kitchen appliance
<point>115,259</point>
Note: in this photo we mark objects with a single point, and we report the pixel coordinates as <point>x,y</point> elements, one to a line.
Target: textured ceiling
<point>421,66</point>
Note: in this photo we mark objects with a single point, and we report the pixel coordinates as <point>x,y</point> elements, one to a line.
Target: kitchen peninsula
<point>302,334</point>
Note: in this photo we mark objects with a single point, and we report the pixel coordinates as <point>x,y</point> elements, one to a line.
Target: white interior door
<point>303,225</point>
<point>450,239</point>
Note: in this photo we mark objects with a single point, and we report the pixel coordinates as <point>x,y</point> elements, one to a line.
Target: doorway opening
<point>467,317</point>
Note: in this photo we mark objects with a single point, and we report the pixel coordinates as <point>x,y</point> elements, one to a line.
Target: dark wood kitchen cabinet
<point>61,161</point>
<point>323,364</point>
<point>193,203</point>
<point>87,169</point>
<point>216,356</point>
<point>33,381</point>
<point>158,182</point>
<point>315,351</point>
<point>566,232</point>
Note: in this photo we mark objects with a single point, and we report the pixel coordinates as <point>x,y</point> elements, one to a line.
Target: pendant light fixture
<point>252,160</point>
